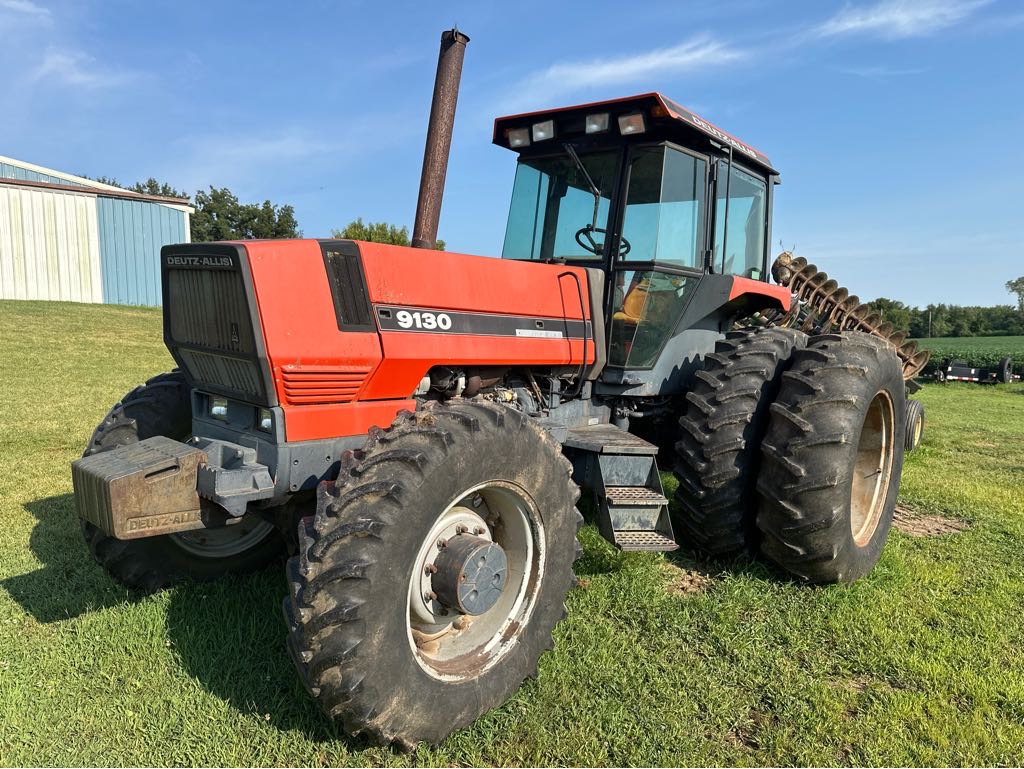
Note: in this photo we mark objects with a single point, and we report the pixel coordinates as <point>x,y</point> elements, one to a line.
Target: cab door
<point>662,251</point>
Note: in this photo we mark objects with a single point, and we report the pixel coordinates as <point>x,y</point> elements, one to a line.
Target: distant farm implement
<point>955,370</point>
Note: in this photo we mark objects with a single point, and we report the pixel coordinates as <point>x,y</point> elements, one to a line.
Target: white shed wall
<point>49,245</point>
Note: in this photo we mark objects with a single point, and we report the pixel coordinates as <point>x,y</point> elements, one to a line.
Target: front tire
<point>161,407</point>
<point>832,458</point>
<point>376,651</point>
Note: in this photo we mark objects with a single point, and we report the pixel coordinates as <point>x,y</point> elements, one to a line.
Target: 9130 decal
<point>428,321</point>
<point>416,319</point>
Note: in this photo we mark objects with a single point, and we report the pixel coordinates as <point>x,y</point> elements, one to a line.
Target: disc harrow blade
<point>824,304</point>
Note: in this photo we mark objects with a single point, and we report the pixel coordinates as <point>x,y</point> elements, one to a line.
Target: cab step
<point>621,471</point>
<point>644,540</point>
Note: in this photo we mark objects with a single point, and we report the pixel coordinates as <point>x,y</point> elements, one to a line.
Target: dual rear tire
<point>798,456</point>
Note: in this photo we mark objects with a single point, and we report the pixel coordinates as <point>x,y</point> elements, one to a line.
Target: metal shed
<point>67,238</point>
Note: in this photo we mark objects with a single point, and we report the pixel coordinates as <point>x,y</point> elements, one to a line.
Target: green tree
<point>1016,286</point>
<point>377,232</point>
<point>895,312</point>
<point>152,187</point>
<point>221,216</point>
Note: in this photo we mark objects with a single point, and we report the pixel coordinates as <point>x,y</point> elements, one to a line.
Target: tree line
<point>937,320</point>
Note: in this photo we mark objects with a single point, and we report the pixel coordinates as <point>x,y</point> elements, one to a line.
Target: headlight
<point>632,123</point>
<point>543,130</point>
<point>518,137</point>
<point>597,123</point>
<point>265,420</point>
<point>219,408</point>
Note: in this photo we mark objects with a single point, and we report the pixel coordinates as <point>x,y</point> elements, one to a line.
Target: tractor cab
<point>652,195</point>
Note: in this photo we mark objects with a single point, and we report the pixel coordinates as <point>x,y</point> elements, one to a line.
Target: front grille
<point>322,385</point>
<point>209,309</point>
<point>235,374</point>
<point>209,320</point>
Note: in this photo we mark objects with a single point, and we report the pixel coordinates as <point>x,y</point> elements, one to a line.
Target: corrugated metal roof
<point>12,171</point>
<point>12,168</point>
<point>179,203</point>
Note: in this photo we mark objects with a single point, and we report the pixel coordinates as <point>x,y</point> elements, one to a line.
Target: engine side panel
<point>498,312</point>
<point>332,382</point>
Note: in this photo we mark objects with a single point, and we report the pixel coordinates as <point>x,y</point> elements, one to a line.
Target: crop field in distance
<point>979,351</point>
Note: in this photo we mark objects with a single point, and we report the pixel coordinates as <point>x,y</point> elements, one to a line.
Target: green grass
<point>919,663</point>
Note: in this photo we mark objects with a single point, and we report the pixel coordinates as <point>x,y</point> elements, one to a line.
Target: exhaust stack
<point>439,138</point>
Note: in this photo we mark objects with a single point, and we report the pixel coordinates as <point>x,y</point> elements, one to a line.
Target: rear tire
<point>720,437</point>
<point>832,458</point>
<point>915,423</point>
<point>355,606</point>
<point>161,407</point>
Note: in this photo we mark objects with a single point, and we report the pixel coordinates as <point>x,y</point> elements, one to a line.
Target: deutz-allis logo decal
<point>198,261</point>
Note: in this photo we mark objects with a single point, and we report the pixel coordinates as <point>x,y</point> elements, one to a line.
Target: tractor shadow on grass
<point>69,583</point>
<point>229,635</point>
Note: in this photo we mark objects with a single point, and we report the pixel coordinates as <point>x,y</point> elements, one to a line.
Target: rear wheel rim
<point>872,469</point>
<point>452,646</point>
<point>225,541</point>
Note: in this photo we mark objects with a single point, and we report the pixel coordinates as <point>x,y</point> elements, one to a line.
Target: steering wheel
<point>591,245</point>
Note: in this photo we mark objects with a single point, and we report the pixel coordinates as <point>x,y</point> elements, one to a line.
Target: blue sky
<point>897,124</point>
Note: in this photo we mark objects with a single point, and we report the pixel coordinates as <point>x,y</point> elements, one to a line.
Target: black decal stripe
<point>482,324</point>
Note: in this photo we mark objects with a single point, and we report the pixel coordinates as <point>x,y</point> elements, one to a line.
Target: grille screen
<point>348,286</point>
<point>230,373</point>
<point>209,324</point>
<point>209,309</point>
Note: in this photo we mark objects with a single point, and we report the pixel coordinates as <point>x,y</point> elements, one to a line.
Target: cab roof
<point>661,110</point>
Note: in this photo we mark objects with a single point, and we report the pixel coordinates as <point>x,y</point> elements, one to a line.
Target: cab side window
<point>740,222</point>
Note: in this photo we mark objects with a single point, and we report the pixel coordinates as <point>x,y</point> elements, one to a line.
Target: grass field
<point>662,661</point>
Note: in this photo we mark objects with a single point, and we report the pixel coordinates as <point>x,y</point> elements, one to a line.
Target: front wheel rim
<point>224,541</point>
<point>872,468</point>
<point>452,646</point>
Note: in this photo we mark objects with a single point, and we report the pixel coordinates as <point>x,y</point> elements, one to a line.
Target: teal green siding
<point>131,234</point>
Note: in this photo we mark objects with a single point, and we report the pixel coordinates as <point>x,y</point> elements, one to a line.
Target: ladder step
<point>608,439</point>
<point>634,495</point>
<point>644,540</point>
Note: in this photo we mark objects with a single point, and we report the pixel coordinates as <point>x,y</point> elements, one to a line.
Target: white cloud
<point>564,77</point>
<point>76,69</point>
<point>899,18</point>
<point>26,7</point>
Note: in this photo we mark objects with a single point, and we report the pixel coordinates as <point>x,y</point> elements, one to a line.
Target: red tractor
<point>413,427</point>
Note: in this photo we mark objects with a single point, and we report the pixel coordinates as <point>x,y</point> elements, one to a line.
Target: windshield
<point>552,215</point>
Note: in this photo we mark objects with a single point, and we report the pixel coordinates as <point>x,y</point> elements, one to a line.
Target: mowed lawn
<point>920,663</point>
